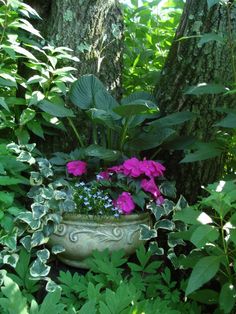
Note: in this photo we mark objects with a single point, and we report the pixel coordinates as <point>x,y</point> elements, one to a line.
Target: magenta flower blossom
<point>103,175</point>
<point>160,200</point>
<point>116,169</point>
<point>76,167</point>
<point>132,167</point>
<point>152,168</point>
<point>151,187</point>
<point>125,203</point>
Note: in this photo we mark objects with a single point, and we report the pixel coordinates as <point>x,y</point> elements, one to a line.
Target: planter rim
<point>104,219</point>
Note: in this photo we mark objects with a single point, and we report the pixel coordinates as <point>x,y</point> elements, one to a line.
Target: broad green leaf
<point>25,53</point>
<point>25,25</point>
<point>203,152</point>
<point>56,110</point>
<point>131,110</point>
<point>188,215</point>
<point>83,91</point>
<point>228,122</point>
<point>103,117</point>
<point>210,37</point>
<point>227,297</point>
<point>206,89</point>
<point>205,269</point>
<point>148,140</point>
<point>22,135</point>
<point>101,152</point>
<point>6,198</point>
<point>143,96</point>
<point>6,180</point>
<point>210,3</point>
<point>172,119</point>
<point>205,296</point>
<point>36,128</point>
<point>204,234</point>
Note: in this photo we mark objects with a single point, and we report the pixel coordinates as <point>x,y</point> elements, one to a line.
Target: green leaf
<point>131,110</point>
<point>101,152</point>
<point>83,91</point>
<point>205,296</point>
<point>6,180</point>
<point>56,110</point>
<point>205,269</point>
<point>227,297</point>
<point>146,233</point>
<point>27,115</point>
<point>22,135</point>
<point>172,119</point>
<point>210,3</point>
<point>188,215</point>
<point>148,140</point>
<point>208,37</point>
<point>206,89</point>
<point>228,122</point>
<point>164,224</point>
<point>205,151</point>
<point>4,104</point>
<point>51,303</point>
<point>43,255</point>
<point>39,269</point>
<point>204,234</point>
<point>6,198</point>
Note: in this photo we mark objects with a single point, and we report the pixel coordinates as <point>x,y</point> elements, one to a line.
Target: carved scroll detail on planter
<point>60,230</point>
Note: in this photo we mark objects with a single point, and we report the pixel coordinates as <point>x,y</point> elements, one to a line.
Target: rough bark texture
<point>80,23</point>
<point>188,64</point>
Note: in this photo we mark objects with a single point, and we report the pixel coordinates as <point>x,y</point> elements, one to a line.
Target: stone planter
<point>81,234</point>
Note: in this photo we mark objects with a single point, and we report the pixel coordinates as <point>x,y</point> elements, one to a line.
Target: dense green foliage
<point>189,266</point>
<point>149,31</point>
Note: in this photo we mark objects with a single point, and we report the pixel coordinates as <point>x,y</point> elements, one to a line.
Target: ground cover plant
<point>188,263</point>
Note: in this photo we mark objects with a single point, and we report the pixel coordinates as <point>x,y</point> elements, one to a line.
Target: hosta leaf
<point>205,269</point>
<point>206,89</point>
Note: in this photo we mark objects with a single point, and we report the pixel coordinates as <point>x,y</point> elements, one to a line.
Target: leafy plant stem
<point>124,132</point>
<point>76,132</point>
<point>4,25</point>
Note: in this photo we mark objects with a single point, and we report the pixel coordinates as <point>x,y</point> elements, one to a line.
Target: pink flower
<point>160,200</point>
<point>132,167</point>
<point>104,175</point>
<point>76,167</point>
<point>151,187</point>
<point>152,168</point>
<point>125,203</point>
<point>116,169</point>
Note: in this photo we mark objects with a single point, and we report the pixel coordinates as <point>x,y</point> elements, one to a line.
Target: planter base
<point>80,235</point>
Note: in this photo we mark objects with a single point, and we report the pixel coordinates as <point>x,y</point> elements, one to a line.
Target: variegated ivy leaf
<point>157,210</point>
<point>39,269</point>
<point>182,203</point>
<point>27,217</point>
<point>56,249</point>
<point>146,233</point>
<point>153,247</point>
<point>26,242</point>
<point>164,224</point>
<point>60,195</point>
<point>43,255</point>
<point>51,286</point>
<point>11,259</point>
<point>39,210</point>
<point>168,206</point>
<point>38,238</point>
<point>35,178</point>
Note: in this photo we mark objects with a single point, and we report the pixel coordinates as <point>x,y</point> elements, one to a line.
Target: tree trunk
<point>93,29</point>
<point>190,63</point>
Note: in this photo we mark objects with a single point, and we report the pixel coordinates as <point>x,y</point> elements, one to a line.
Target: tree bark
<point>93,29</point>
<point>190,63</point>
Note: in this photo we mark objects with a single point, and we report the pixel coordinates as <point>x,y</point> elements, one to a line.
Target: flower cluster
<point>128,186</point>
